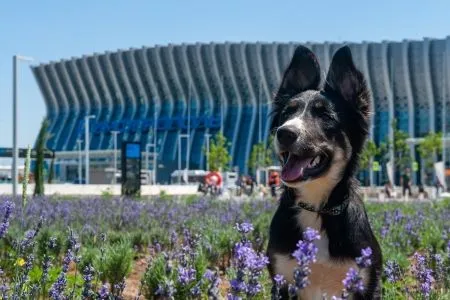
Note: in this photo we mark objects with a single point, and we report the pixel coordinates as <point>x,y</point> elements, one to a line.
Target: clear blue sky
<point>51,30</point>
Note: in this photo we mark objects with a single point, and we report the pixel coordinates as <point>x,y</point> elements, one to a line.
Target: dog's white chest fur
<point>326,275</point>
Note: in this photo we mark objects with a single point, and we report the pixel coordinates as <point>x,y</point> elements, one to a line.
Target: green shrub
<point>116,264</point>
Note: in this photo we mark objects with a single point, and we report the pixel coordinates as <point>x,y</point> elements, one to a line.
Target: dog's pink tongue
<point>293,169</point>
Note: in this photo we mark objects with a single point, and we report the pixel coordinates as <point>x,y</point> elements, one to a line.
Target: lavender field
<point>197,248</point>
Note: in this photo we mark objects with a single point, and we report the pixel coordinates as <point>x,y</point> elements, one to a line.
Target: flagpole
<point>221,105</point>
<point>188,139</point>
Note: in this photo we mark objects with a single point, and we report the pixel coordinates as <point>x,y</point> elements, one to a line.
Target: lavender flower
<point>196,291</point>
<point>244,228</point>
<point>364,260</point>
<point>9,206</point>
<point>119,288</point>
<point>233,297</point>
<point>305,255</point>
<point>279,282</point>
<point>423,275</point>
<point>214,279</point>
<point>448,249</point>
<point>186,275</point>
<point>88,276</point>
<point>166,289</point>
<point>173,239</point>
<point>103,292</point>
<point>353,281</point>
<point>439,267</point>
<point>392,271</point>
<point>57,289</point>
<point>28,240</point>
<point>209,275</point>
<point>249,265</point>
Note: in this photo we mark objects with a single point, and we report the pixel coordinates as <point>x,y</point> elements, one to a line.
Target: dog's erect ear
<point>346,81</point>
<point>303,73</point>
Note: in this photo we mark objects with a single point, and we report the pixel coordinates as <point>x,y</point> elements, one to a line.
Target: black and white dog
<point>320,132</point>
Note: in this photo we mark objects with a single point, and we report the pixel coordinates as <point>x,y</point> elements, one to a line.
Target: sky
<point>52,30</point>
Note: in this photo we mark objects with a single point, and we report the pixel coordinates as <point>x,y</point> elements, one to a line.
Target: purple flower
<point>364,261</point>
<point>279,280</point>
<point>305,254</point>
<point>423,275</point>
<point>173,239</point>
<point>9,206</point>
<point>57,289</point>
<point>238,285</point>
<point>166,289</point>
<point>186,275</point>
<point>214,279</point>
<point>384,231</point>
<point>392,271</point>
<point>88,276</point>
<point>233,297</point>
<point>46,264</point>
<point>249,265</point>
<point>244,228</point>
<point>209,275</point>
<point>448,248</point>
<point>292,290</point>
<point>311,235</point>
<point>196,291</point>
<point>353,282</point>
<point>120,287</point>
<point>103,292</point>
<point>439,267</point>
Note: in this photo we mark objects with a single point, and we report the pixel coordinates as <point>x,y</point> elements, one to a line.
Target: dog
<point>320,130</point>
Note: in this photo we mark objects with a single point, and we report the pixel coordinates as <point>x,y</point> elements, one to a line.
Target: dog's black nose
<point>286,136</point>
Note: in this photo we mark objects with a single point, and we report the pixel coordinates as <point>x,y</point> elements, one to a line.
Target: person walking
<point>406,182</point>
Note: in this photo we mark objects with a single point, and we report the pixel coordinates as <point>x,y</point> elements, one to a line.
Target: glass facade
<point>408,80</point>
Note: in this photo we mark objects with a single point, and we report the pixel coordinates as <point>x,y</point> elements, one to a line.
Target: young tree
<point>402,154</point>
<point>370,150</point>
<point>39,165</point>
<point>218,156</point>
<point>428,147</point>
<point>261,155</point>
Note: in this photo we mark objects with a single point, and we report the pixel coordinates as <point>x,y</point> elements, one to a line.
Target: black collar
<point>332,211</point>
<point>323,210</point>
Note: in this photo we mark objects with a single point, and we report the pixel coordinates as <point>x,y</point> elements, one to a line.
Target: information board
<point>131,169</point>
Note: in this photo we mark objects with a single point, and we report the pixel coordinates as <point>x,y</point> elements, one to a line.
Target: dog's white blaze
<point>296,122</point>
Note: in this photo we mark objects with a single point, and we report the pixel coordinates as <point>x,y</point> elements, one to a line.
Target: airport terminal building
<point>222,86</point>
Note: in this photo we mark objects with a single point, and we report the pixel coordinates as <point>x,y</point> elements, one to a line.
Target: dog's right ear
<point>302,74</point>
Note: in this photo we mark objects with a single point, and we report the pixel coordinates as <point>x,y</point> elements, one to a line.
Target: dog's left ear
<point>348,82</point>
<point>303,73</point>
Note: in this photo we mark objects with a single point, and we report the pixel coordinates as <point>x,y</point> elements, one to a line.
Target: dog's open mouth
<point>299,168</point>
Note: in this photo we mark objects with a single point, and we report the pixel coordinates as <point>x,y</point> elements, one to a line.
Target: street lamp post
<point>80,175</point>
<point>207,136</point>
<point>155,143</point>
<point>16,59</point>
<point>86,144</point>
<point>147,154</point>
<point>180,136</point>
<point>115,133</point>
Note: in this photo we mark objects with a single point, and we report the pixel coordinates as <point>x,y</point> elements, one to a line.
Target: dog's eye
<point>320,110</point>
